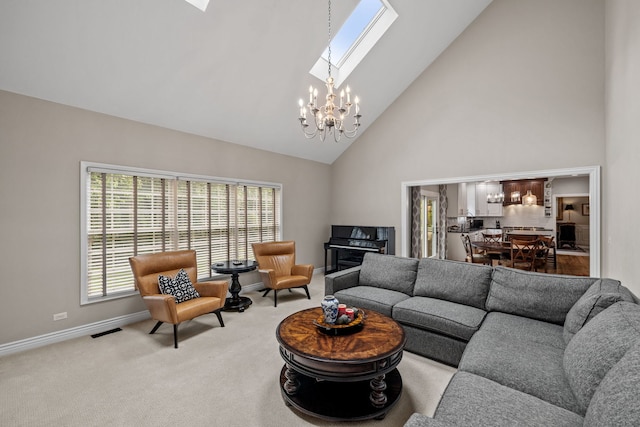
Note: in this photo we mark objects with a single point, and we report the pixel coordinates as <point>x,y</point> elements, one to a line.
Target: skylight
<point>361,31</point>
<point>200,4</point>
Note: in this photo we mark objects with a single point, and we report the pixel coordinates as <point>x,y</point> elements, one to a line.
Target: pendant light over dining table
<point>530,199</point>
<point>329,118</point>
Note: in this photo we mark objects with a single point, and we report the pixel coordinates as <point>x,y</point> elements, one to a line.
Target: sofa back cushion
<point>600,295</point>
<point>540,296</point>
<point>598,346</point>
<point>389,272</point>
<point>454,281</point>
<point>615,401</point>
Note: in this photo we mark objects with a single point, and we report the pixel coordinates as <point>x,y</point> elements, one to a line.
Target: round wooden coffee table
<point>344,377</point>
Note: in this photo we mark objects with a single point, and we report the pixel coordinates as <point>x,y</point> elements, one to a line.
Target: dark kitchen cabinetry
<point>512,188</point>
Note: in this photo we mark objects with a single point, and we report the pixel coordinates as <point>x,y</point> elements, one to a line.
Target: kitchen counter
<point>460,230</point>
<point>529,231</point>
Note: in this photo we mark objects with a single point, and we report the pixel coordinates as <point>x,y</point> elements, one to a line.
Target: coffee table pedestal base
<point>341,401</point>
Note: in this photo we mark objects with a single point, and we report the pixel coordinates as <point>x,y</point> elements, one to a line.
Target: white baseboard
<point>67,334</point>
<point>96,327</point>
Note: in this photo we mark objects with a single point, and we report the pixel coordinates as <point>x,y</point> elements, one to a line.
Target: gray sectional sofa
<point>531,349</point>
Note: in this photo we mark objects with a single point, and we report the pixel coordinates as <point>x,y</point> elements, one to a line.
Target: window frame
<point>87,167</point>
<point>359,48</point>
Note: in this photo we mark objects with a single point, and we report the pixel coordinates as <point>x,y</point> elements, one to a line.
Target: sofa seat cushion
<point>602,294</point>
<point>541,296</point>
<point>615,401</point>
<point>471,400</point>
<point>529,330</point>
<point>371,298</point>
<point>436,315</point>
<point>389,272</point>
<point>524,354</point>
<point>433,345</point>
<point>421,420</point>
<point>598,346</point>
<point>461,282</point>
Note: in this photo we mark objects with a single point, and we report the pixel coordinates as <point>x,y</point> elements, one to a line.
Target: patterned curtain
<point>416,237</point>
<point>442,221</point>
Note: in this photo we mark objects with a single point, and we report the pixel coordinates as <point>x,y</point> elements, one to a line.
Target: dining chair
<point>545,254</point>
<point>522,236</point>
<point>472,256</point>
<point>541,257</point>
<point>492,237</point>
<point>523,254</point>
<point>494,255</point>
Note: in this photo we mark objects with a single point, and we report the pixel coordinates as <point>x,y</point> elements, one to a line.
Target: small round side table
<point>234,268</point>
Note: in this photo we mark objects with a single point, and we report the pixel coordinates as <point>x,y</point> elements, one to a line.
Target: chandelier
<point>329,118</point>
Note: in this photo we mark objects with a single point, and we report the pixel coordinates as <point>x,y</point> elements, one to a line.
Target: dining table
<point>494,250</point>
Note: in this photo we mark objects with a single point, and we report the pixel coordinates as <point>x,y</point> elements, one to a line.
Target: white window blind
<point>129,212</point>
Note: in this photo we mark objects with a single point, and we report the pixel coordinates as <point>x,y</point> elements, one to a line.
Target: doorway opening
<point>593,207</point>
<point>428,225</point>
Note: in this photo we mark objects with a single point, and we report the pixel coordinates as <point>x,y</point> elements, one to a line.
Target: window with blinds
<point>129,212</point>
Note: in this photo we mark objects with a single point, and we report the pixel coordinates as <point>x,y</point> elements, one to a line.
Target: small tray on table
<point>344,329</point>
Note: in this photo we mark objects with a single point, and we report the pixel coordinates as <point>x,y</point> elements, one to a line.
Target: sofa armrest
<point>420,420</point>
<point>341,280</point>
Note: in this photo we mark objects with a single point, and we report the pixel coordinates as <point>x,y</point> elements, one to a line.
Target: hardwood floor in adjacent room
<point>570,264</point>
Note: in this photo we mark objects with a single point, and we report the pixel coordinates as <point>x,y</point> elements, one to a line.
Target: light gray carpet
<point>217,377</point>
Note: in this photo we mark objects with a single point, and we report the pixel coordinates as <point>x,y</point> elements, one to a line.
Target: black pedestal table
<point>234,268</point>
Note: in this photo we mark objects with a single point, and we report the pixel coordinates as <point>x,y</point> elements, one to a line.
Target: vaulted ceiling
<point>233,73</point>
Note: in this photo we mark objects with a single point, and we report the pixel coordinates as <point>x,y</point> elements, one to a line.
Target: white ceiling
<point>234,73</point>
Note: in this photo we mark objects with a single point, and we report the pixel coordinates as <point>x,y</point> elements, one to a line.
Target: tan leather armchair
<point>278,268</point>
<point>163,308</point>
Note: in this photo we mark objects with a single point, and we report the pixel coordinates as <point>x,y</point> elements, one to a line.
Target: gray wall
<point>521,89</point>
<point>622,173</point>
<point>41,146</point>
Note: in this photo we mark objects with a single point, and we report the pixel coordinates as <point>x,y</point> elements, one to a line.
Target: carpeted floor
<point>218,377</point>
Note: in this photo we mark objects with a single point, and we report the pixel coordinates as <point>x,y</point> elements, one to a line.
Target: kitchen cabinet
<point>462,199</point>
<point>471,199</point>
<point>483,207</point>
<point>467,199</point>
<point>521,187</point>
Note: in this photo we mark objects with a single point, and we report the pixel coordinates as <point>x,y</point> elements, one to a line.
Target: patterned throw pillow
<point>180,287</point>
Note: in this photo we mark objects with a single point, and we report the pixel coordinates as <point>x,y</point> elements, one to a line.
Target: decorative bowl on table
<point>341,328</point>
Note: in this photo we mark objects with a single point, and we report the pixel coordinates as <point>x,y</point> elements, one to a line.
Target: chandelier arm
<point>309,135</point>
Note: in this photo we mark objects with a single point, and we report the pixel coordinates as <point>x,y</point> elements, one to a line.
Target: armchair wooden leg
<point>306,289</point>
<point>175,336</point>
<point>275,297</point>
<point>155,328</point>
<point>218,314</point>
<point>266,291</point>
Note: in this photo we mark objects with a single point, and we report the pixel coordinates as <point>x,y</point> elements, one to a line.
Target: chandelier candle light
<point>329,118</point>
